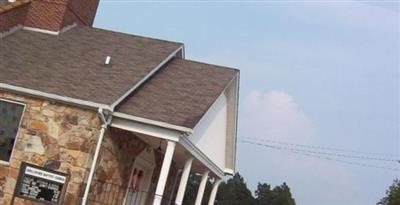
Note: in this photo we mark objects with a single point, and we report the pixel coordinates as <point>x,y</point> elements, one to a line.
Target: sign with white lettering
<point>39,184</point>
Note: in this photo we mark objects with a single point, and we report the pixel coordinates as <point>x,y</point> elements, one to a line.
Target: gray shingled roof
<point>72,63</point>
<point>179,94</point>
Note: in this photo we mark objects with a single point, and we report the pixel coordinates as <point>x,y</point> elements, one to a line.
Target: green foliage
<point>264,194</point>
<point>392,194</point>
<point>192,188</point>
<point>280,195</point>
<point>234,192</point>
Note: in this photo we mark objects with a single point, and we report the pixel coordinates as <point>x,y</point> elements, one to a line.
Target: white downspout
<point>104,127</point>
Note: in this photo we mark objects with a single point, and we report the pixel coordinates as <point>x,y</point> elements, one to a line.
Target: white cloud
<point>275,115</point>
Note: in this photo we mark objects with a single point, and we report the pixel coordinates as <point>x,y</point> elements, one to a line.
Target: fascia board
<point>153,122</point>
<point>146,129</point>
<point>198,154</point>
<point>59,98</point>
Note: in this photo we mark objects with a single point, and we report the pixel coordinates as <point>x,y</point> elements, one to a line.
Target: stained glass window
<point>10,117</point>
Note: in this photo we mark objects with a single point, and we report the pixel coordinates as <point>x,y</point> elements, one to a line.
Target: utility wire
<point>320,147</point>
<point>310,154</point>
<point>324,153</point>
<point>349,162</point>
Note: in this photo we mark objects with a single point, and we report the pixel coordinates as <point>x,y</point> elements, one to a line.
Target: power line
<point>321,147</point>
<point>327,153</point>
<point>320,157</point>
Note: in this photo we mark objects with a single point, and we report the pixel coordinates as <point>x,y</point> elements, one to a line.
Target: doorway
<point>140,178</point>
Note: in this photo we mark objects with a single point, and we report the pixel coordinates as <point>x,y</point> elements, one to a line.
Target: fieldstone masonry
<point>63,138</point>
<point>118,152</point>
<point>52,135</point>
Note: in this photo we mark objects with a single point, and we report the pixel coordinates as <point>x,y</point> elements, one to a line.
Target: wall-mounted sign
<point>39,184</point>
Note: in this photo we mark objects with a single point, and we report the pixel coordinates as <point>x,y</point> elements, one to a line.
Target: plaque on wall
<point>39,184</point>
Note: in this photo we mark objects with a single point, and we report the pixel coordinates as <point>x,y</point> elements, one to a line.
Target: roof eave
<point>55,97</point>
<point>153,122</point>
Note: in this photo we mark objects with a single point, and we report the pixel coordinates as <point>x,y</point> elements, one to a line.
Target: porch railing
<point>105,193</point>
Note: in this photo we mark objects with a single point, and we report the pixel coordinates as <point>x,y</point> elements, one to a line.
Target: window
<point>10,118</point>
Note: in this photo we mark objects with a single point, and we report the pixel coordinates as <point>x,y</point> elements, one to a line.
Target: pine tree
<point>392,194</point>
<point>235,192</point>
<point>264,194</point>
<point>280,195</point>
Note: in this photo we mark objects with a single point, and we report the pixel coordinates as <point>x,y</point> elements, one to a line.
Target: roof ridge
<point>139,36</point>
<point>210,64</point>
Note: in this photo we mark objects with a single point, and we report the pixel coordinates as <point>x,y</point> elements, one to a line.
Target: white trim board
<point>168,134</point>
<point>146,129</point>
<point>7,163</point>
<point>39,30</point>
<point>198,154</point>
<point>152,122</point>
<point>40,94</point>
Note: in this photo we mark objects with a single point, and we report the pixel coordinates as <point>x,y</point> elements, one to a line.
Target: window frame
<point>7,163</point>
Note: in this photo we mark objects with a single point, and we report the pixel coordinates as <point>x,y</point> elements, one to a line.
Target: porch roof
<point>180,93</point>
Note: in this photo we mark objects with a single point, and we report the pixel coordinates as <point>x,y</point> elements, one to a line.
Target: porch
<point>135,168</point>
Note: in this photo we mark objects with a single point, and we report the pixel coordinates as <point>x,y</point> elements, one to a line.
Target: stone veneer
<point>119,150</point>
<point>51,133</point>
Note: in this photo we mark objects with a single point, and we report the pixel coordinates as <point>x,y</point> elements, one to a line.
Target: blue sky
<point>316,73</point>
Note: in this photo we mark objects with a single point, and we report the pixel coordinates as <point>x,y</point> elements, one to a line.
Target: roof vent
<point>108,59</point>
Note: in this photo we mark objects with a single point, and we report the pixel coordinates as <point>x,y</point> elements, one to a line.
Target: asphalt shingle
<point>180,93</point>
<point>72,64</point>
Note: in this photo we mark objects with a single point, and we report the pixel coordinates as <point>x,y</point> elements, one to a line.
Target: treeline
<point>235,192</point>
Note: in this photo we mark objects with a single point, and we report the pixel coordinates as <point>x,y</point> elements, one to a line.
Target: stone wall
<point>56,134</point>
<point>117,154</point>
<point>53,134</point>
<point>119,150</point>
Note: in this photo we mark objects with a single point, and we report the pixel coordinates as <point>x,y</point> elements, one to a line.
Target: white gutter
<point>104,127</point>
<point>68,100</point>
<point>232,172</point>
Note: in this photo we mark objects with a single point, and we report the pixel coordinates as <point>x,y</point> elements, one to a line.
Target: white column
<point>184,178</point>
<point>202,187</point>
<point>214,191</point>
<point>162,180</point>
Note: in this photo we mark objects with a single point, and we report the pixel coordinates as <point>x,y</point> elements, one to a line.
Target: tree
<point>264,194</point>
<point>392,194</point>
<point>235,192</point>
<point>192,188</point>
<point>280,195</point>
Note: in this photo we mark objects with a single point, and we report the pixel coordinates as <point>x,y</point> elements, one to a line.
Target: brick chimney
<point>51,15</point>
<point>54,15</point>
